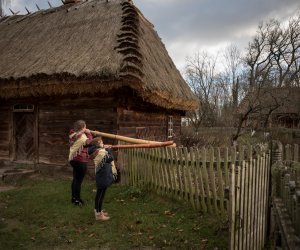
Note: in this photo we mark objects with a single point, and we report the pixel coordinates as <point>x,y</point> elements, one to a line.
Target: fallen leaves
<point>169,213</point>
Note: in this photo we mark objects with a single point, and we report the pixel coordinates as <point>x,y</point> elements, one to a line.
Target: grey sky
<point>189,26</point>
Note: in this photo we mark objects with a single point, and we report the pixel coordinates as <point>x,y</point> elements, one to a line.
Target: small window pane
<point>22,107</point>
<point>170,126</point>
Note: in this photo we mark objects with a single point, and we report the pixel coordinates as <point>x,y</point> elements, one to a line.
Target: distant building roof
<point>286,99</point>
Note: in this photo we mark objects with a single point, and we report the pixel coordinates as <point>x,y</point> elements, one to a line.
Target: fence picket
<point>191,180</point>
<point>267,174</point>
<point>187,194</point>
<point>242,201</point>
<point>168,170</point>
<point>160,171</point>
<point>237,207</point>
<point>200,181</point>
<point>246,204</point>
<point>220,182</point>
<point>180,172</point>
<point>249,219</point>
<point>253,190</point>
<point>257,201</point>
<point>206,182</point>
<point>174,160</point>
<point>232,207</point>
<point>213,179</point>
<point>155,169</point>
<point>194,179</point>
<point>164,170</point>
<point>226,169</point>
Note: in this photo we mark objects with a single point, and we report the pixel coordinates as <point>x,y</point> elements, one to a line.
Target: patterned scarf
<point>99,158</point>
<point>77,146</point>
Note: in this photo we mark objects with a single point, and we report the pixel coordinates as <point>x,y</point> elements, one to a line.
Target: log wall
<point>5,130</point>
<point>139,119</point>
<point>56,118</point>
<point>122,112</point>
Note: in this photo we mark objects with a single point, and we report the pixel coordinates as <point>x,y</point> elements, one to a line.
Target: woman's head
<point>79,125</point>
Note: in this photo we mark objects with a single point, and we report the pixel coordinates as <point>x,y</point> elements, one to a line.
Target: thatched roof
<point>284,100</point>
<point>89,47</point>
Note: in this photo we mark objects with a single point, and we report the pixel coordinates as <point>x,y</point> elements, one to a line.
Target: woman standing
<point>80,137</point>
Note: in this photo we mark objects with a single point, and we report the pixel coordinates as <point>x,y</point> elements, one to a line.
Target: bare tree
<point>1,8</point>
<point>233,63</point>
<point>272,61</point>
<point>202,77</point>
<point>3,3</point>
<point>273,55</point>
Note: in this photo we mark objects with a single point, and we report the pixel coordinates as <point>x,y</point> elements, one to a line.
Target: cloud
<point>192,25</point>
<point>210,20</point>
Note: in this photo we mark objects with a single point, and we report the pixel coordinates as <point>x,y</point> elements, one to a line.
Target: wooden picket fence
<point>196,176</point>
<point>286,196</point>
<point>227,182</point>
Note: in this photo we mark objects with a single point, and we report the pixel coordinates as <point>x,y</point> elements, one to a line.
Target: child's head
<point>98,142</point>
<point>79,125</point>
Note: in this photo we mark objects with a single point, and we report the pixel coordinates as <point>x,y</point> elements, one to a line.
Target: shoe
<point>81,201</point>
<point>101,216</point>
<point>77,202</point>
<point>105,213</point>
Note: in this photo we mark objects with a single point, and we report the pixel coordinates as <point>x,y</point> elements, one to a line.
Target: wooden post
<point>242,204</point>
<point>232,207</point>
<point>237,207</point>
<point>298,213</point>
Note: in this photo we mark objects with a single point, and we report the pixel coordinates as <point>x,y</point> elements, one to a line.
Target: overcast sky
<point>189,26</point>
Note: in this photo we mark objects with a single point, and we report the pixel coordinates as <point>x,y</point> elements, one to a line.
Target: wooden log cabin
<point>99,61</point>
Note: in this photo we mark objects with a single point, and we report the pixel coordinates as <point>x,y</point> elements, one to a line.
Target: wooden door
<point>24,130</point>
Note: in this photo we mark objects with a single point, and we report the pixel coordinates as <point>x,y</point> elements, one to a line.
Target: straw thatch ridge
<point>88,47</point>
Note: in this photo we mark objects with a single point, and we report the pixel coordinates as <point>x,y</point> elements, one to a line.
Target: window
<point>21,107</point>
<point>170,126</point>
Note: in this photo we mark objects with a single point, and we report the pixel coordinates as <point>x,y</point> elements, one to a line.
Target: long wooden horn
<point>126,139</point>
<point>146,145</point>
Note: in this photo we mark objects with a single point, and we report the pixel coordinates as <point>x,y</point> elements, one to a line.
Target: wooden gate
<point>24,131</point>
<point>249,200</point>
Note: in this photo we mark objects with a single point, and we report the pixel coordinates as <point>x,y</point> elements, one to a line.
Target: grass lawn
<point>38,214</point>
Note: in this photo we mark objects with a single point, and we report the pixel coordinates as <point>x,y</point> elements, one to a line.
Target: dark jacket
<point>104,175</point>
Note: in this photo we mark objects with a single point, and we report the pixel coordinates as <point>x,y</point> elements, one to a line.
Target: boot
<point>101,216</point>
